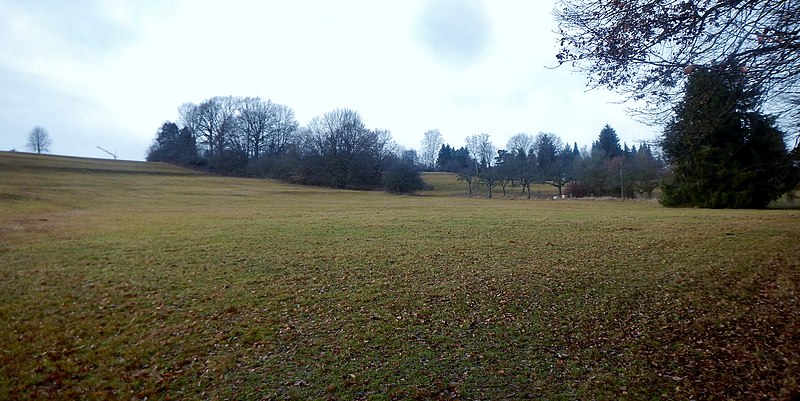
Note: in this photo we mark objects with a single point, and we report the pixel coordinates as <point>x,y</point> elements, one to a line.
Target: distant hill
<point>17,161</point>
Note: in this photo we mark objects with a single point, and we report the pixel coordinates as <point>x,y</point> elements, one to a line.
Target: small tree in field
<point>490,177</point>
<point>468,175</point>
<point>39,140</point>
<point>646,174</point>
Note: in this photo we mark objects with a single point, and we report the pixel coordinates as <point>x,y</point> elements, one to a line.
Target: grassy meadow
<point>125,280</point>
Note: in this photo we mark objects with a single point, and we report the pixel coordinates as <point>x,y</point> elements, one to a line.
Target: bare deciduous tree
<point>481,148</point>
<point>490,177</point>
<point>348,154</point>
<point>253,122</point>
<point>521,141</point>
<point>645,49</point>
<point>188,117</point>
<point>432,141</point>
<point>214,122</point>
<point>283,129</point>
<point>39,140</point>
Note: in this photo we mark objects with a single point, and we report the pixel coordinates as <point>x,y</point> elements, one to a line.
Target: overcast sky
<point>109,73</point>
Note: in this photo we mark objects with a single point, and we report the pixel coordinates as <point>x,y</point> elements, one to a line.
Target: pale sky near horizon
<point>109,73</point>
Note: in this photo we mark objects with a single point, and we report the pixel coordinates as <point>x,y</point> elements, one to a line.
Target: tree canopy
<point>248,136</point>
<point>608,143</point>
<point>645,48</point>
<point>173,145</point>
<point>343,153</point>
<point>723,152</point>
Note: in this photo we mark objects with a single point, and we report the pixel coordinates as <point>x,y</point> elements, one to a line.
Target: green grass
<point>447,184</point>
<point>134,280</point>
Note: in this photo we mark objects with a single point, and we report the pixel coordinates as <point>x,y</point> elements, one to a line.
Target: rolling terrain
<point>127,280</point>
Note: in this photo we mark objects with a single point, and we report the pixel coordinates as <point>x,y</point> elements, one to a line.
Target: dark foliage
<point>453,160</point>
<point>554,162</point>
<point>578,189</point>
<point>172,145</point>
<point>340,152</point>
<point>723,152</point>
<point>646,171</point>
<point>403,177</point>
<point>255,138</point>
<point>608,143</point>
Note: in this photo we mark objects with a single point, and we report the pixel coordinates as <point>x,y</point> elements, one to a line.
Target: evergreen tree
<point>453,160</point>
<point>608,142</point>
<point>723,152</point>
<point>172,145</point>
<point>445,157</point>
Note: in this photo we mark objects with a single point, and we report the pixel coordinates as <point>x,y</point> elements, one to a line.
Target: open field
<point>132,280</point>
<point>447,184</point>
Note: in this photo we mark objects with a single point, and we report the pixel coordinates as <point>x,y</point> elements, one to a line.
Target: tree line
<point>722,76</point>
<point>605,169</point>
<point>718,151</point>
<point>249,136</point>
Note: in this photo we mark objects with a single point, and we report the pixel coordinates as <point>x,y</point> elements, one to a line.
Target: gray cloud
<point>455,32</point>
<point>73,29</point>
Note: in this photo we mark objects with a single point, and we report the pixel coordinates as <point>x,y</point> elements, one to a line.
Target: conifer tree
<point>724,153</point>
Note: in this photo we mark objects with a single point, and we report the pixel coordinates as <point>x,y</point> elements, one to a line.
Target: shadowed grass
<point>179,285</point>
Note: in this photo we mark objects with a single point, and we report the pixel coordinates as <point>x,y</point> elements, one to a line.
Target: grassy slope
<point>133,280</point>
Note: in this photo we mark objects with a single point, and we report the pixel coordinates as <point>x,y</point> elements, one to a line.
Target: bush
<point>577,189</point>
<point>403,178</point>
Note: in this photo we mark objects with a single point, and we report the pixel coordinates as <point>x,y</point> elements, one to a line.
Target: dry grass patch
<point>130,285</point>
